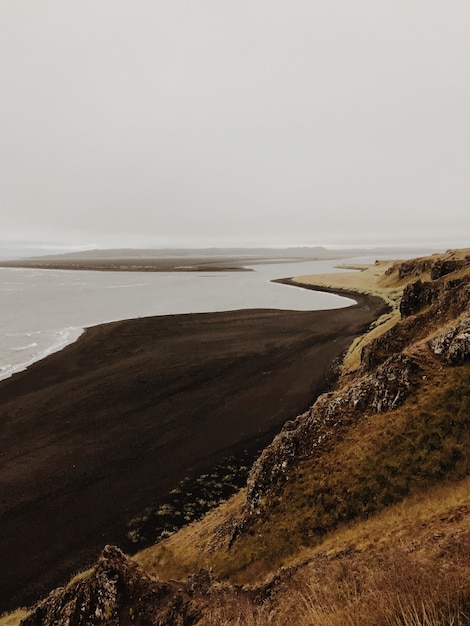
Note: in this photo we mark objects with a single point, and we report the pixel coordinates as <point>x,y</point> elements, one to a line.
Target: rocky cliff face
<point>409,269</point>
<point>116,592</point>
<point>423,306</point>
<point>435,267</point>
<point>391,369</point>
<point>453,346</point>
<point>310,434</point>
<point>443,267</point>
<point>443,293</point>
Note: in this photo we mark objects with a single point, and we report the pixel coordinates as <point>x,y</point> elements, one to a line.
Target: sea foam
<point>47,343</point>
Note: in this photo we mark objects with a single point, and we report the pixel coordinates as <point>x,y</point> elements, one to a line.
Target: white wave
<point>123,286</point>
<point>60,338</point>
<point>64,337</point>
<point>29,346</point>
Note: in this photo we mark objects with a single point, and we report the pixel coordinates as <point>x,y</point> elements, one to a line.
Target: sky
<point>258,122</point>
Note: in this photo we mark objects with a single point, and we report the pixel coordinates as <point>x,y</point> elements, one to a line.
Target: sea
<point>41,311</point>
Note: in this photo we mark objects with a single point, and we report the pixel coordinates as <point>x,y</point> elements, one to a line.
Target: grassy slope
<point>375,531</point>
<point>384,459</point>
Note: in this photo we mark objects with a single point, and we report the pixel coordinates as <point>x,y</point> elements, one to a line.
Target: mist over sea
<point>41,311</point>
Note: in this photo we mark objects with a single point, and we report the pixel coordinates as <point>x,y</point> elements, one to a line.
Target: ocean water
<point>41,311</point>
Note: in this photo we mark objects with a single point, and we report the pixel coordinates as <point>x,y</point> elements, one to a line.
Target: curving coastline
<point>96,432</point>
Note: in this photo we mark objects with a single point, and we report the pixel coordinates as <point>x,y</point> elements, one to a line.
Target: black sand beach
<point>93,434</point>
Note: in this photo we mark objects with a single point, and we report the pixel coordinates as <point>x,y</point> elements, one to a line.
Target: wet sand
<point>92,434</point>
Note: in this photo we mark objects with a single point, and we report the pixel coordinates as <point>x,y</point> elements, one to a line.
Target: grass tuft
<point>14,618</point>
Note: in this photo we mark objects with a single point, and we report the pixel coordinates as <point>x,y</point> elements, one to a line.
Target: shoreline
<point>72,333</point>
<point>358,297</point>
<point>111,423</point>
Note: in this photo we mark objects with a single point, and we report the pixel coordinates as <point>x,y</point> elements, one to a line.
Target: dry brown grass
<point>397,591</point>
<point>14,618</point>
<point>381,461</point>
<point>408,566</point>
<point>370,280</point>
<point>194,546</point>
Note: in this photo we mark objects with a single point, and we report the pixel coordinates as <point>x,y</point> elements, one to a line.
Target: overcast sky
<point>209,122</point>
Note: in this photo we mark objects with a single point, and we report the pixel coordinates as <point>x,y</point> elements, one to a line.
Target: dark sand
<point>93,434</point>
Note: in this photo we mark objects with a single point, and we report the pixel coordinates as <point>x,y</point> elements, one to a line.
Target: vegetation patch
<point>190,500</point>
<point>382,460</point>
<point>13,618</point>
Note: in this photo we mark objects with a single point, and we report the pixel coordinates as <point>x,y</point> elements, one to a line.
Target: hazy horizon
<point>59,248</point>
<point>208,124</point>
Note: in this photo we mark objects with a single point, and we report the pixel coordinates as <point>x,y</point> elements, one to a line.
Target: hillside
<point>356,513</point>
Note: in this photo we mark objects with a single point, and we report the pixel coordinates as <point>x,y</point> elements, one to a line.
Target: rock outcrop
<point>310,433</point>
<point>441,292</point>
<point>444,301</point>
<point>386,377</point>
<point>434,267</point>
<point>116,592</point>
<point>453,346</point>
<point>408,269</point>
<point>417,295</point>
<point>443,267</point>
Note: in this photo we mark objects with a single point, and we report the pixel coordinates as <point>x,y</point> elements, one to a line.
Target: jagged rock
<point>443,267</point>
<point>459,349</point>
<point>415,296</point>
<point>201,582</point>
<point>437,268</point>
<point>386,388</point>
<point>115,593</point>
<point>447,298</point>
<point>453,346</point>
<point>415,267</point>
<point>418,294</point>
<point>384,385</point>
<point>382,390</point>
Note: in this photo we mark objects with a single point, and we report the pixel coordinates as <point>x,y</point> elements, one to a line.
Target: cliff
<point>321,511</point>
<point>435,321</point>
<point>116,591</point>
